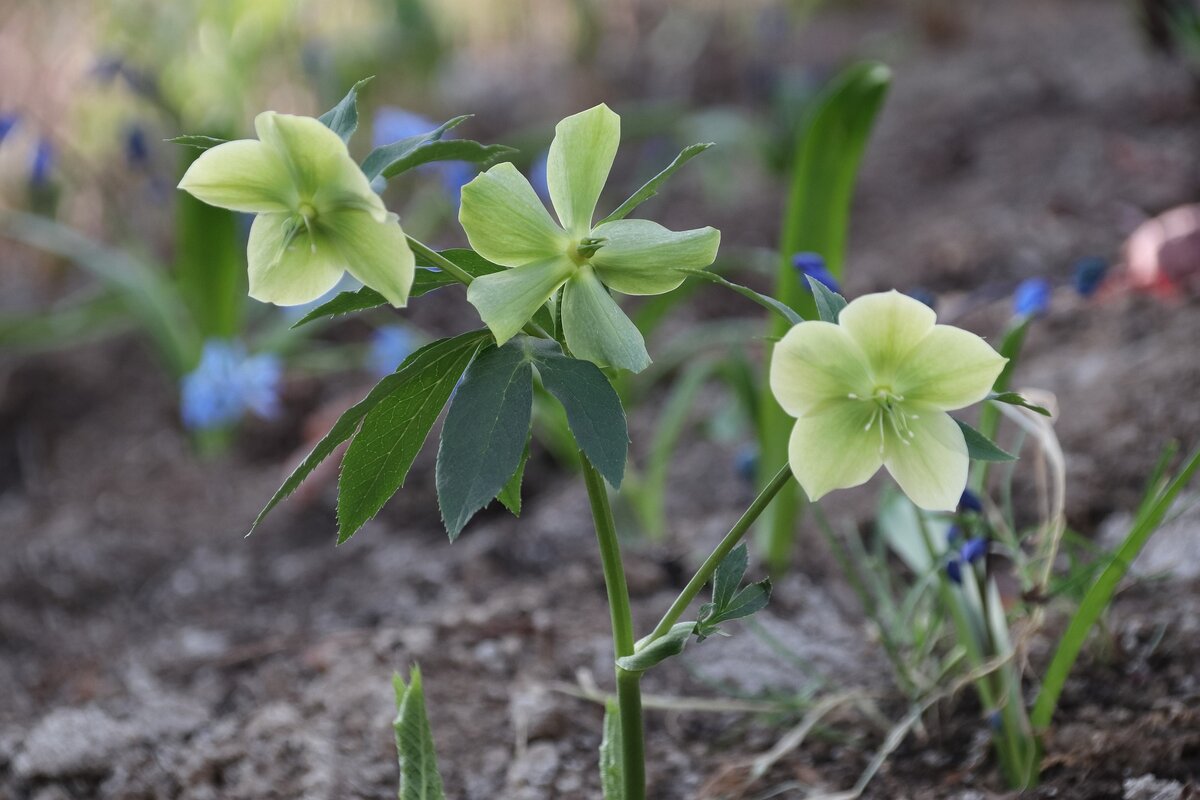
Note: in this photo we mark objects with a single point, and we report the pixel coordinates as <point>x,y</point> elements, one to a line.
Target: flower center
<point>585,249</point>
<point>888,411</point>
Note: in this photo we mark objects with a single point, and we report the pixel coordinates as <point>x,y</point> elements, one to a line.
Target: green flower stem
<point>705,573</point>
<point>462,276</point>
<point>629,692</point>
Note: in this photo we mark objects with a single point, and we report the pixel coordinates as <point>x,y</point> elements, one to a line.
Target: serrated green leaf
<point>394,431</point>
<point>392,159</point>
<point>651,187</point>
<point>348,423</point>
<point>611,774</point>
<point>769,303</point>
<point>594,411</point>
<point>829,303</point>
<point>1015,399</point>
<point>196,141</point>
<point>465,259</point>
<point>981,448</point>
<point>669,644</point>
<point>749,600</point>
<point>485,433</point>
<point>510,495</point>
<point>344,303</point>
<point>728,577</point>
<point>342,119</point>
<point>419,776</point>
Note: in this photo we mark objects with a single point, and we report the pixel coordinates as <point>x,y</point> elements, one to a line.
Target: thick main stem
<point>705,573</point>
<point>629,692</point>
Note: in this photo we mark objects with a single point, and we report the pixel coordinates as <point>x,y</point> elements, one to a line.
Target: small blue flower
<point>923,295</point>
<point>391,124</point>
<point>994,720</point>
<point>226,384</point>
<point>954,570</point>
<point>538,176</point>
<point>1088,274</point>
<point>390,345</point>
<point>813,265</point>
<point>137,150</point>
<point>745,463</point>
<point>41,163</point>
<point>7,123</point>
<point>970,502</point>
<point>1031,298</point>
<point>974,550</point>
<point>953,535</point>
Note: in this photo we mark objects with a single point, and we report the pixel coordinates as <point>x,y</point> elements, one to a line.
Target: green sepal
<point>392,159</point>
<point>829,303</point>
<point>419,777</point>
<point>669,644</point>
<point>981,448</point>
<point>342,119</point>
<point>1015,399</point>
<point>651,187</point>
<point>769,303</point>
<point>484,435</point>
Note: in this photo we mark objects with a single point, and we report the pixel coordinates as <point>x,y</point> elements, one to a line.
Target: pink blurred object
<point>1162,255</point>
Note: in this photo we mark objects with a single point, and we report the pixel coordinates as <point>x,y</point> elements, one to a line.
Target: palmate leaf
<point>750,600</point>
<point>728,576</point>
<point>394,431</point>
<point>342,119</point>
<point>348,423</point>
<point>392,159</point>
<point>485,432</point>
<point>419,776</point>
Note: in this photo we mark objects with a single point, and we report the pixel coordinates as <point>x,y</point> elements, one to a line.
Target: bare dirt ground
<point>147,650</point>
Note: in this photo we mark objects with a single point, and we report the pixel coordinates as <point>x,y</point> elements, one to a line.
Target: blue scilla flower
<point>813,265</point>
<point>1031,298</point>
<point>970,502</point>
<point>1088,274</point>
<point>954,535</point>
<point>973,550</point>
<point>745,463</point>
<point>42,162</point>
<point>538,176</point>
<point>923,295</point>
<point>390,345</point>
<point>137,149</point>
<point>391,124</point>
<point>954,570</point>
<point>7,123</point>
<point>227,383</point>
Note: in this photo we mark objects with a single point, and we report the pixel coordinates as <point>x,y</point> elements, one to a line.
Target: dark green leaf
<point>467,260</point>
<point>749,600</point>
<point>669,644</point>
<point>981,448</point>
<point>484,434</point>
<point>1015,399</point>
<point>393,432</point>
<point>652,186</point>
<point>766,302</point>
<point>342,119</point>
<point>397,157</point>
<point>593,408</point>
<point>510,495</point>
<point>829,303</point>
<point>419,777</point>
<point>198,142</point>
<point>728,577</point>
<point>348,423</point>
<point>611,774</point>
<point>344,303</point>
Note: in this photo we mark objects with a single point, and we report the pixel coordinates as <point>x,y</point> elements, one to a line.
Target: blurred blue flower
<point>953,535</point>
<point>538,176</point>
<point>137,149</point>
<point>813,265</point>
<point>954,570</point>
<point>1031,298</point>
<point>7,123</point>
<point>391,124</point>
<point>41,163</point>
<point>1088,274</point>
<point>390,345</point>
<point>923,295</point>
<point>745,463</point>
<point>970,502</point>
<point>227,383</point>
<point>973,550</point>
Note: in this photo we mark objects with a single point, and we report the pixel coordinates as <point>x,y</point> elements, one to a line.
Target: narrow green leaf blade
<point>763,300</point>
<point>342,119</point>
<point>593,408</point>
<point>658,651</point>
<point>611,775</point>
<point>750,600</point>
<point>981,448</point>
<point>393,432</point>
<point>196,141</point>
<point>484,434</point>
<point>1015,399</point>
<point>829,303</point>
<point>419,776</point>
<point>405,154</point>
<point>729,576</point>
<point>651,187</point>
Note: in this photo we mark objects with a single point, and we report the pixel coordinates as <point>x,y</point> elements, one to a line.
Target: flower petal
<point>289,268</point>
<point>242,176</point>
<point>833,449</point>
<point>507,300</point>
<point>577,166</point>
<point>596,328</point>
<point>506,222</point>
<point>376,253</point>
<point>950,368</point>
<point>886,326</point>
<point>322,170</point>
<point>815,364</point>
<point>640,256</point>
<point>932,467</point>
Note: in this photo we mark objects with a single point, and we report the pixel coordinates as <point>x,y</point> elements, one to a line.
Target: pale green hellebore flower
<point>317,216</point>
<point>507,224</point>
<point>873,390</point>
